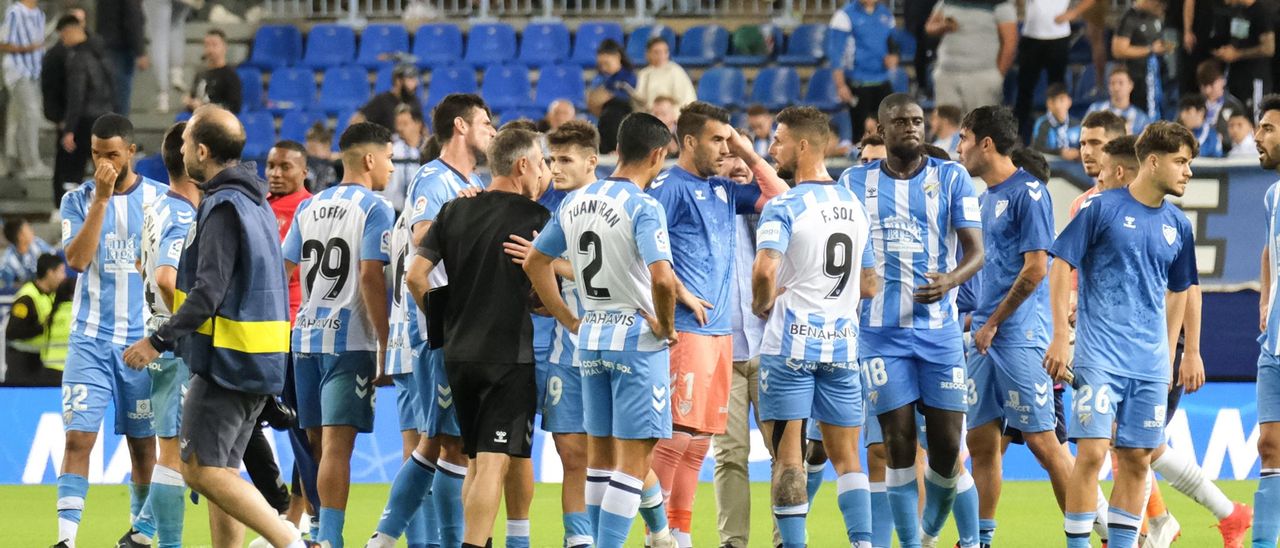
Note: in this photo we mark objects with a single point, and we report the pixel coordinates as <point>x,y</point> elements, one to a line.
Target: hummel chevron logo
<point>362,386</point>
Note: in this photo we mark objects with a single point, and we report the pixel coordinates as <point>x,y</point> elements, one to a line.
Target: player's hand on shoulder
<point>518,248</point>
<point>470,192</point>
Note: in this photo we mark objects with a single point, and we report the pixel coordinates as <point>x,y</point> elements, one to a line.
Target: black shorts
<point>1060,422</point>
<point>495,403</point>
<point>217,423</point>
<point>1175,389</point>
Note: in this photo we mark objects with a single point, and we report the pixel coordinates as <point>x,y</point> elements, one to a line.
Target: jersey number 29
<point>332,260</point>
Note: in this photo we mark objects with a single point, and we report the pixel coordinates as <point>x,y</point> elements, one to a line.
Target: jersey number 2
<point>589,244</point>
<point>323,264</point>
<point>839,263</point>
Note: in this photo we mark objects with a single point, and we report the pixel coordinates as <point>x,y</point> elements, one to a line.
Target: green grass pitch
<point>1028,517</point>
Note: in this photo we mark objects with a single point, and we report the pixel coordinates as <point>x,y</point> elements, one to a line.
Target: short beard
<point>904,151</point>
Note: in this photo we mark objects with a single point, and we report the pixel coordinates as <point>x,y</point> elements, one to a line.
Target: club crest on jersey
<point>720,193</point>
<point>1170,233</point>
<point>1001,206</point>
<point>1128,222</point>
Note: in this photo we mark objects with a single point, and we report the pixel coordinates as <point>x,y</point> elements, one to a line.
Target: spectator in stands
<point>760,129</point>
<point>1220,104</point>
<point>1097,22</point>
<point>558,112</point>
<point>406,153</point>
<point>611,92</point>
<point>839,146</point>
<point>1193,115</point>
<point>24,51</point>
<point>1031,161</point>
<point>1138,44</point>
<point>383,108</point>
<point>1046,39</point>
<point>218,83</point>
<point>53,88</point>
<point>1240,133</point>
<point>30,334</point>
<point>944,121</point>
<point>1120,89</point>
<point>1056,132</point>
<point>90,94</point>
<point>862,31</point>
<point>1250,43</point>
<point>167,32</point>
<point>663,77</point>
<point>915,15</point>
<point>320,162</point>
<point>122,27</point>
<point>665,110</point>
<point>970,73</point>
<point>18,261</point>
<point>871,148</point>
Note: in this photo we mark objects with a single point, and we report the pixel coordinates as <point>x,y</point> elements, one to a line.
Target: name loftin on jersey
<point>822,334</point>
<point>319,323</point>
<point>610,318</point>
<point>596,207</point>
<point>336,212</point>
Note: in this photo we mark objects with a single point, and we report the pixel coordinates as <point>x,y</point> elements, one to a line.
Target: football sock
<point>986,531</point>
<point>137,497</point>
<point>939,495</point>
<point>597,484</point>
<point>1181,471</point>
<point>517,533</point>
<point>577,530</point>
<point>853,495</point>
<point>790,521</point>
<point>332,522</point>
<point>1266,508</point>
<point>904,500</point>
<point>813,479</point>
<point>408,491</point>
<point>72,489</point>
<point>685,483</point>
<point>618,509</point>
<point>652,510</point>
<point>1077,527</point>
<point>167,506</point>
<point>881,517</point>
<point>965,510</point>
<point>1123,529</point>
<point>446,487</point>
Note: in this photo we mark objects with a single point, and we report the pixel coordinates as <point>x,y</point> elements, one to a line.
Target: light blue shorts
<point>169,378</point>
<point>440,414</point>
<point>1268,388</point>
<point>407,407</point>
<point>626,395</point>
<point>1136,407</point>
<point>895,381</point>
<point>335,389</point>
<point>1011,384</point>
<point>96,376</point>
<point>560,399</point>
<point>793,389</point>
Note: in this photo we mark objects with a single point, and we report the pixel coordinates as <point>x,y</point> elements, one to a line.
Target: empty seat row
<point>436,44</point>
<point>776,88</point>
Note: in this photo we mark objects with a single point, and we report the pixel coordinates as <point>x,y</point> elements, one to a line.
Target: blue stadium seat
<point>259,134</point>
<point>771,33</point>
<point>805,46</point>
<point>821,92</point>
<point>275,46</point>
<point>329,46</point>
<point>250,88</point>
<point>702,45</point>
<point>900,81</point>
<point>152,167</point>
<point>295,124</point>
<point>723,86</point>
<point>544,44</point>
<point>776,87</point>
<point>450,79</point>
<point>381,40</point>
<point>291,88</point>
<point>588,38</point>
<point>490,43</point>
<point>437,44</point>
<point>518,113</point>
<point>182,116</point>
<point>844,125</point>
<point>506,87</point>
<point>344,119</point>
<point>382,80</point>
<point>344,88</point>
<point>639,39</point>
<point>560,82</point>
<point>906,44</point>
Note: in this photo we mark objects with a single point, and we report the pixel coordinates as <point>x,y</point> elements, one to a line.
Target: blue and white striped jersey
<point>23,26</point>
<point>615,231</point>
<point>821,229</point>
<point>19,268</point>
<point>1270,338</point>
<point>433,186</point>
<point>913,232</point>
<point>406,319</point>
<point>564,343</point>
<point>332,232</point>
<point>108,304</point>
<point>165,227</point>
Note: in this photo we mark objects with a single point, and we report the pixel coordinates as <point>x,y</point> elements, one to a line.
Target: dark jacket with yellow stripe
<point>232,319</point>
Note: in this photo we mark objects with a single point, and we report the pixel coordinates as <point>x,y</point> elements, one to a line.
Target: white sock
<point>381,540</point>
<point>1181,471</point>
<point>1102,507</point>
<point>685,540</point>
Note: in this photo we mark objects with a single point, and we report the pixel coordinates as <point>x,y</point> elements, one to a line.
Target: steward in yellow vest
<point>38,329</point>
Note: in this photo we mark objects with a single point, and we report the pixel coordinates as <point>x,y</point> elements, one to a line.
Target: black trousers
<point>866,106</point>
<point>1036,56</point>
<point>68,167</point>
<point>610,120</point>
<point>261,465</point>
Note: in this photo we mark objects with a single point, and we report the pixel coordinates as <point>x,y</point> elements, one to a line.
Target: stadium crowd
<point>644,314</point>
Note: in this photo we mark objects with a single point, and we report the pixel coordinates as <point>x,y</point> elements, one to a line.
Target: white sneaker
<point>662,540</point>
<point>261,542</point>
<point>162,102</point>
<point>927,541</point>
<point>1162,531</point>
<point>178,79</point>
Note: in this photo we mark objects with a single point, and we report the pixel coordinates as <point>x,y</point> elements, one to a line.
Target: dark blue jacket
<point>232,321</point>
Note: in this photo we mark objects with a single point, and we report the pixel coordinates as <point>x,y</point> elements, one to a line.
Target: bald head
<point>214,138</point>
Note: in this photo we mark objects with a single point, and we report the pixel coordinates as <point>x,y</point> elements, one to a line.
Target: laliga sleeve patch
<point>420,205</point>
<point>661,241</point>
<point>971,210</point>
<point>770,231</point>
<point>175,250</point>
<point>66,229</point>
